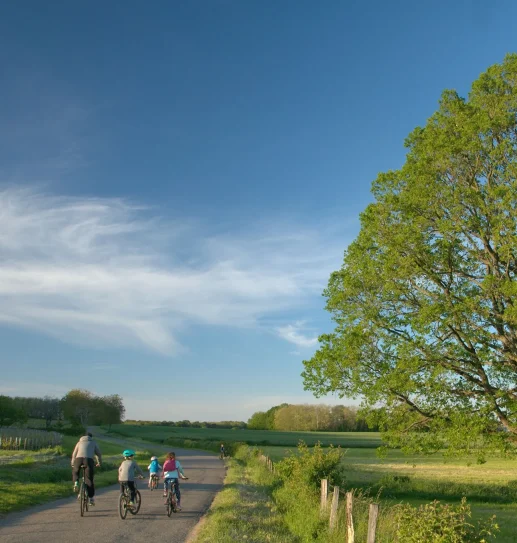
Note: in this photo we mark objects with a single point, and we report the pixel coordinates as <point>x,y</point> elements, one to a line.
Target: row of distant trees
<point>79,407</point>
<point>226,424</point>
<point>308,418</point>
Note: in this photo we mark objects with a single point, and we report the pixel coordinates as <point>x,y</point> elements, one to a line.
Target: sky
<point>179,179</point>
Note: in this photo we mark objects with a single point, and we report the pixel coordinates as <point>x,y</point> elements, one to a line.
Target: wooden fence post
<point>324,494</point>
<point>350,534</point>
<point>372,522</point>
<point>333,508</point>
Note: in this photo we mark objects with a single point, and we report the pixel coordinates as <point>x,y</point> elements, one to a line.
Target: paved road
<point>60,521</point>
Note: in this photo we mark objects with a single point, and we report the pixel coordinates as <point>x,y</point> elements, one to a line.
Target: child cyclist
<point>126,474</point>
<point>172,471</point>
<point>154,467</point>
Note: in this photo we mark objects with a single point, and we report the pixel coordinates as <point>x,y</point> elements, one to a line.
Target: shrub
<point>441,523</point>
<point>311,465</point>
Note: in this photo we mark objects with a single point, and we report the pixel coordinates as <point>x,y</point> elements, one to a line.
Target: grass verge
<point>244,510</point>
<point>28,480</point>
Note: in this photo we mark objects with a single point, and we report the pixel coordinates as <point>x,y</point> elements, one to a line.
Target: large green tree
<point>425,303</point>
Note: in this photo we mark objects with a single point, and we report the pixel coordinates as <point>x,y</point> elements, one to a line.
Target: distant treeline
<point>286,417</point>
<point>226,424</point>
<point>310,418</point>
<point>79,408</point>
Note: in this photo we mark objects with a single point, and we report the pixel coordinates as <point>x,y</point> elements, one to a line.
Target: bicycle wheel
<point>138,502</point>
<point>169,504</point>
<point>173,502</point>
<point>122,509</point>
<point>86,499</point>
<point>82,501</point>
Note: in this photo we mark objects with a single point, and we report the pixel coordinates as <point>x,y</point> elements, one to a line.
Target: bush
<point>311,465</point>
<point>441,523</point>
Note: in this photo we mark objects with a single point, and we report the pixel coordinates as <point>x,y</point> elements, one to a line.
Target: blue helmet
<point>128,452</point>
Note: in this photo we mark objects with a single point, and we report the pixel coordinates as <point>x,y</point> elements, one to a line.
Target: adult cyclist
<point>84,453</point>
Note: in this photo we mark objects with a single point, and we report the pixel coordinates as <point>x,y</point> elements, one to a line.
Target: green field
<point>368,440</point>
<point>490,488</point>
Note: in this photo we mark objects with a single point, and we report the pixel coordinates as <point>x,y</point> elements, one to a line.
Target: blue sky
<point>178,180</point>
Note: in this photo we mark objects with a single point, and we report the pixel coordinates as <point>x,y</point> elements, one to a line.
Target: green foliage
<point>311,465</point>
<point>265,420</point>
<point>442,523</point>
<point>10,412</point>
<point>426,323</point>
<point>297,495</point>
<point>258,421</point>
<point>82,408</point>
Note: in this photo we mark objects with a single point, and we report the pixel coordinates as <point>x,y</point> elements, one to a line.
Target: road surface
<point>60,521</point>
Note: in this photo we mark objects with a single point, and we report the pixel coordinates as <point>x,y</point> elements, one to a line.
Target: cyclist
<point>172,471</point>
<point>222,455</point>
<point>84,452</point>
<point>126,474</point>
<point>153,468</point>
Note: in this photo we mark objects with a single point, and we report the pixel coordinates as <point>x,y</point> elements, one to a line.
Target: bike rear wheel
<point>82,499</point>
<point>138,502</point>
<point>122,507</point>
<point>170,503</point>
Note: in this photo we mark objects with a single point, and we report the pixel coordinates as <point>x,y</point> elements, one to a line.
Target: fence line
<point>373,513</point>
<point>16,439</point>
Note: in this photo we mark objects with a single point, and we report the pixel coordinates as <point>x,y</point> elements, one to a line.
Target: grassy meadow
<point>491,488</point>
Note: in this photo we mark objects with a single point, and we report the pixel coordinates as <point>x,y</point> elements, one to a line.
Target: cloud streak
<point>108,273</point>
<point>294,333</point>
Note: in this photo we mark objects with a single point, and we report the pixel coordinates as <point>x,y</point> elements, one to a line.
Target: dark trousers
<point>131,486</point>
<point>176,487</point>
<point>89,473</point>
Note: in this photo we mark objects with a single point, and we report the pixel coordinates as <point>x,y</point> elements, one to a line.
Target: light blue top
<point>154,466</point>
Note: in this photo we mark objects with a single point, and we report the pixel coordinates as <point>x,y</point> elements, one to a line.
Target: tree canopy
<point>425,302</point>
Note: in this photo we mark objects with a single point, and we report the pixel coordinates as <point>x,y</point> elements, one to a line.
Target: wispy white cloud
<point>106,272</point>
<point>294,333</point>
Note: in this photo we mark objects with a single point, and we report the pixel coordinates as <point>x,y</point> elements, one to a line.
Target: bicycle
<point>154,482</point>
<point>83,491</point>
<point>125,499</point>
<point>172,506</point>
